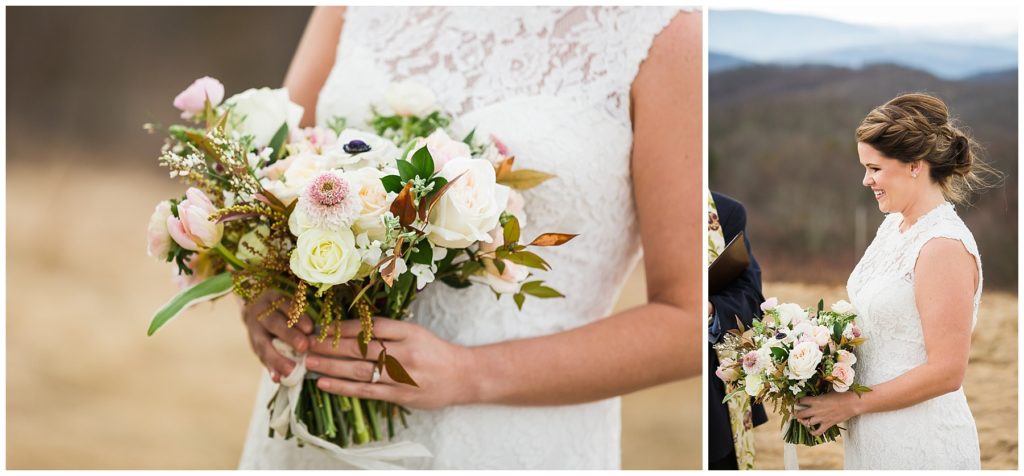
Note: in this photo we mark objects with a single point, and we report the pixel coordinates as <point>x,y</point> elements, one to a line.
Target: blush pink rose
<point>727,371</point>
<point>442,148</point>
<point>842,376</point>
<point>192,100</point>
<point>192,229</point>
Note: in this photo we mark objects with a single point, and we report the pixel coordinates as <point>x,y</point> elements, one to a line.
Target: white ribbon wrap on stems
<point>282,417</point>
<point>789,457</point>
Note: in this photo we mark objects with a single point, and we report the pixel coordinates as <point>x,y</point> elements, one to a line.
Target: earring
<point>913,174</point>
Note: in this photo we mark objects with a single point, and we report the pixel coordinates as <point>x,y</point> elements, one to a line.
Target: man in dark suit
<point>742,298</point>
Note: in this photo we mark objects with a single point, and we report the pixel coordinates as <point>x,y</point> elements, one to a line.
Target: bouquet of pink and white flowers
<point>789,354</point>
<point>344,223</point>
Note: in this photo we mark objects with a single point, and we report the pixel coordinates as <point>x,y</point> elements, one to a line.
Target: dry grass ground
<point>87,389</point>
<point>991,384</point>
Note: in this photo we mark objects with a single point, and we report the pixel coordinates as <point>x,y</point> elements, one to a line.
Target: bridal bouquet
<point>344,223</point>
<point>789,354</point>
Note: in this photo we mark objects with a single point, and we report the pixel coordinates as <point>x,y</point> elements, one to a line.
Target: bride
<point>917,290</point>
<point>609,99</point>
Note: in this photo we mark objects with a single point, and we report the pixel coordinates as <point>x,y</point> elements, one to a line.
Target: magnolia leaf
<point>387,274</point>
<point>270,200</point>
<point>537,289</point>
<point>423,162</point>
<point>232,216</point>
<point>529,259</point>
<point>437,196</point>
<point>211,288</point>
<point>503,168</point>
<point>392,183</point>
<point>381,357</point>
<point>511,230</point>
<point>524,179</point>
<point>519,298</point>
<point>403,206</point>
<point>397,372</point>
<point>552,239</point>
<point>363,347</point>
<point>406,170</point>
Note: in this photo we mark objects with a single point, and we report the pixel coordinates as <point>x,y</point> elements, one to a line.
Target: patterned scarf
<point>740,413</point>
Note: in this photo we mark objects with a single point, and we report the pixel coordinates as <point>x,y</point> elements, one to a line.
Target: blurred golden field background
<point>86,389</point>
<point>990,385</point>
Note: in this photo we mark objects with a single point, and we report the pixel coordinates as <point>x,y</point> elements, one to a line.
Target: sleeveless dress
<point>552,84</point>
<point>935,434</point>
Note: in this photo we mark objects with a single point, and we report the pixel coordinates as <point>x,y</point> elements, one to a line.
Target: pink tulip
<point>159,241</point>
<point>192,229</point>
<point>193,99</point>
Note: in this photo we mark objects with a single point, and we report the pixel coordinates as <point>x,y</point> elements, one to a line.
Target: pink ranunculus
<point>842,375</point>
<point>856,332</point>
<point>750,361</point>
<point>192,229</point>
<point>770,304</point>
<point>727,371</point>
<point>157,236</point>
<point>192,100</point>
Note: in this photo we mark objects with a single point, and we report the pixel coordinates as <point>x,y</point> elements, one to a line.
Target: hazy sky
<point>972,19</point>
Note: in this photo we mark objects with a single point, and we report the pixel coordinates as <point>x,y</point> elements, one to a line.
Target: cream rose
<point>846,357</point>
<point>325,257</point>
<point>261,112</point>
<point>820,335</point>
<point>374,201</point>
<point>790,314</point>
<point>804,360</point>
<point>470,208</point>
<point>753,383</point>
<point>843,307</point>
<point>409,98</point>
<point>299,172</point>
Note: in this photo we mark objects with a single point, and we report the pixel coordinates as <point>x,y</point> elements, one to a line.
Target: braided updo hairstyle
<point>917,126</point>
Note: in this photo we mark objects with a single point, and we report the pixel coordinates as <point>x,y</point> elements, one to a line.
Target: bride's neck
<point>925,203</point>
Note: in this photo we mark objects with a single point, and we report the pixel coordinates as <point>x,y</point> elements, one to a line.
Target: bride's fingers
<point>375,391</point>
<point>347,347</point>
<point>383,328</point>
<point>277,324</point>
<point>357,370</point>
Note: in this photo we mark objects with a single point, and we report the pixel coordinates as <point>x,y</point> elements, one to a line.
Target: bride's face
<point>890,180</point>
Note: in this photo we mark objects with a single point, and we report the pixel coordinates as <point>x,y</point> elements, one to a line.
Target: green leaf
<point>406,170</point>
<point>500,264</point>
<point>470,268</point>
<point>423,162</point>
<point>779,353</point>
<point>837,331</point>
<point>423,254</point>
<point>821,305</point>
<point>537,289</point>
<point>529,259</point>
<point>211,288</point>
<point>392,183</point>
<point>397,372</point>
<point>455,282</point>
<point>511,230</point>
<point>277,142</point>
<point>519,298</point>
<point>439,182</point>
<point>524,179</point>
<point>859,389</point>
<point>468,140</point>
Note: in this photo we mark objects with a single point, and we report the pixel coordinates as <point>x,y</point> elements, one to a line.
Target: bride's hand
<point>263,331</point>
<point>827,410</point>
<point>439,368</point>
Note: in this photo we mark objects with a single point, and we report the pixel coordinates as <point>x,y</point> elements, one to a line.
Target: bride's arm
<point>946,278</point>
<point>313,59</point>
<point>655,343</point>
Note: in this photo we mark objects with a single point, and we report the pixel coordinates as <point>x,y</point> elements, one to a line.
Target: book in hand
<point>729,265</point>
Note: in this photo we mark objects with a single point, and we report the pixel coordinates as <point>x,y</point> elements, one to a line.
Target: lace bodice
<point>552,84</point>
<point>881,287</point>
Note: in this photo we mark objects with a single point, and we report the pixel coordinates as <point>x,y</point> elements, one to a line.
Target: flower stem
<point>229,256</point>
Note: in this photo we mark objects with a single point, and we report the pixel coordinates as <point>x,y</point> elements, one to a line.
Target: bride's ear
<point>916,168</point>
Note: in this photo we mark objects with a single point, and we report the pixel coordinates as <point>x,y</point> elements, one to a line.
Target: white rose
<point>471,206</point>
<point>254,239</point>
<point>325,257</point>
<point>301,169</point>
<point>409,98</point>
<point>442,148</point>
<point>803,360</point>
<point>843,307</point>
<point>790,314</point>
<point>373,201</point>
<point>820,335</point>
<point>765,360</point>
<point>261,112</point>
<point>753,383</point>
<point>381,151</point>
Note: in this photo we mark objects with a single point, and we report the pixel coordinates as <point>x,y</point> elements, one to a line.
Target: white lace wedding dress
<point>552,84</point>
<point>935,434</point>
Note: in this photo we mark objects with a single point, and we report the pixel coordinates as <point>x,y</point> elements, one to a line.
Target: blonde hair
<point>917,126</point>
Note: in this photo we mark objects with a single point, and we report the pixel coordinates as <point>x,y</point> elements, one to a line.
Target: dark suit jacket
<point>743,298</point>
